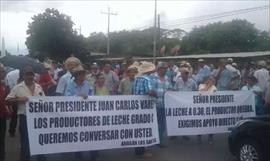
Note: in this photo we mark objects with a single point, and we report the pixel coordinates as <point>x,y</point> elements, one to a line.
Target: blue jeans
<point>161,124</point>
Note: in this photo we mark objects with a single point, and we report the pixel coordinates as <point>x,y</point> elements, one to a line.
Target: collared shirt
<point>142,85</point>
<point>189,85</point>
<point>110,80</point>
<point>203,72</point>
<point>125,86</point>
<point>224,79</point>
<point>161,86</point>
<point>62,84</point>
<point>262,76</point>
<point>21,90</point>
<point>74,89</point>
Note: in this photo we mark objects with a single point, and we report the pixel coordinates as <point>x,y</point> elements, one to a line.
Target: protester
<point>224,76</point>
<point>208,85</point>
<point>19,94</point>
<point>100,88</point>
<point>125,86</point>
<point>161,85</point>
<point>111,79</point>
<point>185,83</point>
<point>143,85</point>
<point>46,81</point>
<point>11,80</point>
<point>70,63</point>
<point>203,71</point>
<point>252,85</point>
<point>92,76</point>
<point>262,75</point>
<point>79,86</point>
<point>4,112</point>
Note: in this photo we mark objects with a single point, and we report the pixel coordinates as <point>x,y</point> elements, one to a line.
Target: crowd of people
<point>138,78</point>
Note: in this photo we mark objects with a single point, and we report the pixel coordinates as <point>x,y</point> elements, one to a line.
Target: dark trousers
<point>13,121</point>
<point>139,151</point>
<point>25,151</point>
<point>2,138</point>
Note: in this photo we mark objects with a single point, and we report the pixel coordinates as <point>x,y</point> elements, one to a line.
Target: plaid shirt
<point>161,87</point>
<point>142,85</point>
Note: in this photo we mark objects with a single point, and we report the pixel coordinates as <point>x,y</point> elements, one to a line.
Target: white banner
<point>70,124</point>
<point>193,113</point>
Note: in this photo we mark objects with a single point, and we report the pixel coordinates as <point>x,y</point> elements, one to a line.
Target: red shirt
<point>3,94</point>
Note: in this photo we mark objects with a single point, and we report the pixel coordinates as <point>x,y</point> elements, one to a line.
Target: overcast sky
<point>15,15</point>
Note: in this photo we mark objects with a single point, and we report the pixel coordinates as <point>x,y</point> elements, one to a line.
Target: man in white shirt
<point>262,75</point>
<point>19,95</point>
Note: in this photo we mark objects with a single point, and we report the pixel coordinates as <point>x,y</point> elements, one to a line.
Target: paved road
<point>175,150</point>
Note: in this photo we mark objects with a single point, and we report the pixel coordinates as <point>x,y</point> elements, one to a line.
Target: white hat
<point>201,60</point>
<point>146,67</point>
<point>230,60</point>
<point>262,63</point>
<point>77,69</point>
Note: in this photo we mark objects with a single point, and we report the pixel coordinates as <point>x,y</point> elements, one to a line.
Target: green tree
<point>233,36</point>
<point>50,34</point>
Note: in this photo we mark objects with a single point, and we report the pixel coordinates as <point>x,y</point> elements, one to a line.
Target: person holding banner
<point>143,85</point>
<point>19,95</point>
<point>185,83</point>
<point>162,84</point>
<point>125,86</point>
<point>208,85</point>
<point>70,63</point>
<point>79,86</point>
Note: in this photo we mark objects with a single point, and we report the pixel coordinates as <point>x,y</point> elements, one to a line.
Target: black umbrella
<point>19,62</point>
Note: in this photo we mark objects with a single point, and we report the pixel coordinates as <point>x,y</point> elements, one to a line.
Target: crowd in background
<point>74,78</point>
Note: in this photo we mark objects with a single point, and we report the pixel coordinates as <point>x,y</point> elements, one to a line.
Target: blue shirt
<point>189,85</point>
<point>142,85</point>
<point>203,72</point>
<point>161,87</point>
<point>224,80</point>
<point>62,84</point>
<point>74,90</point>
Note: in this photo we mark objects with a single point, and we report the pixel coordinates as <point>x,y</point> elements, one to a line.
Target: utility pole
<point>155,36</point>
<point>108,31</point>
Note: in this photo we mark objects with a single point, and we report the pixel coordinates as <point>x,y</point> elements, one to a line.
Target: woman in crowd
<point>100,87</point>
<point>208,85</point>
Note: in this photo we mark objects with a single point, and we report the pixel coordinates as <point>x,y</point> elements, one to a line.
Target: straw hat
<point>71,63</point>
<point>184,69</point>
<point>134,66</point>
<point>77,69</point>
<point>146,67</point>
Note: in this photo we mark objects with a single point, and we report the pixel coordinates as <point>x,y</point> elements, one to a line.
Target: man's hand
<point>152,93</point>
<point>22,99</point>
<point>83,95</point>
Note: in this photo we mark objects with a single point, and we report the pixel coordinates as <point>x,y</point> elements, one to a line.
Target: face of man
<point>131,73</point>
<point>94,70</point>
<point>184,75</point>
<point>107,68</point>
<point>162,71</point>
<point>80,77</point>
<point>29,77</point>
